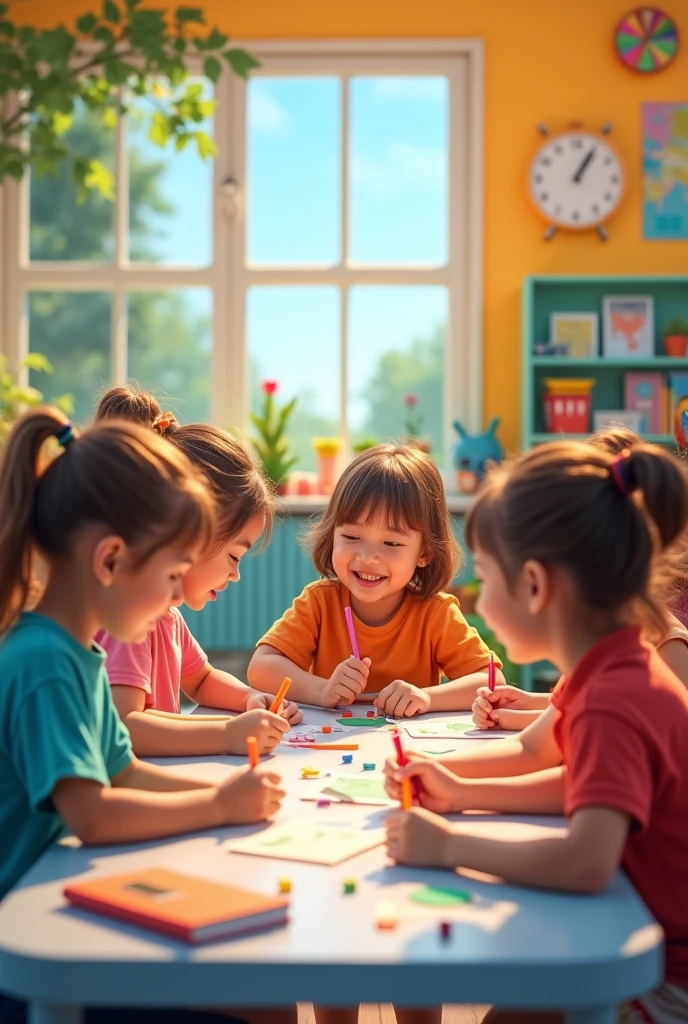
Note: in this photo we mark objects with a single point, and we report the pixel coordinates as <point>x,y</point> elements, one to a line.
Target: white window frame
<point>229,276</point>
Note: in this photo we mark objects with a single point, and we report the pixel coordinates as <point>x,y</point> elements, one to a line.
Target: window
<point>334,246</point>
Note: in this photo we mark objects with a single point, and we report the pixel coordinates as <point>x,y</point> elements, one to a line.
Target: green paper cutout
<point>371,723</point>
<point>434,896</point>
<point>351,788</point>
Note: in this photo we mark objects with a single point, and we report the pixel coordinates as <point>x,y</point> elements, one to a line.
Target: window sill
<point>311,504</point>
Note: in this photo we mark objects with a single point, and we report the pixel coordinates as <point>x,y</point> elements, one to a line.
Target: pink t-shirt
<point>167,655</point>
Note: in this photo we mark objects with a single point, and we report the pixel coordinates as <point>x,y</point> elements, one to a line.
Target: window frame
<point>228,276</point>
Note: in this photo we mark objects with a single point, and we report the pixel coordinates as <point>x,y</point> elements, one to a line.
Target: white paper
<point>306,840</point>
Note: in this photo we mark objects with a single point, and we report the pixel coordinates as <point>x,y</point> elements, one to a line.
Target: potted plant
<point>271,444</point>
<point>363,445</point>
<point>327,449</point>
<point>15,399</point>
<point>676,337</point>
<point>413,424</point>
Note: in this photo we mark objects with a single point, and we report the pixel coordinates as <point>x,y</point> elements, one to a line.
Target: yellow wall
<point>546,60</point>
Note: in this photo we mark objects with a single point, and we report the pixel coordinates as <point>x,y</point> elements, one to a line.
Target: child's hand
<point>438,786</point>
<point>249,796</point>
<point>418,837</point>
<point>487,705</point>
<point>289,710</point>
<point>266,727</point>
<point>402,700</point>
<point>348,680</point>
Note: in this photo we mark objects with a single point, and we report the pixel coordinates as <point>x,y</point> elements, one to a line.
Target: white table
<point>510,947</point>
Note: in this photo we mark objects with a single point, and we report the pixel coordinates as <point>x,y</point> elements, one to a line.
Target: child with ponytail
<point>118,516</point>
<point>147,678</point>
<point>568,541</point>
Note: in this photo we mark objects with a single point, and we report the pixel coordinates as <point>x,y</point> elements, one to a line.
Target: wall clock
<point>576,180</point>
<point>646,40</point>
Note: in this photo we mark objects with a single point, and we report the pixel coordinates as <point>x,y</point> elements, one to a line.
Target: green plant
<point>677,325</point>
<point>413,421</point>
<point>15,399</point>
<point>126,49</point>
<point>271,445</point>
<point>363,445</point>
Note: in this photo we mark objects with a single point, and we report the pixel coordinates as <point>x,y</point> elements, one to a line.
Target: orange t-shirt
<point>427,639</point>
<point>622,733</point>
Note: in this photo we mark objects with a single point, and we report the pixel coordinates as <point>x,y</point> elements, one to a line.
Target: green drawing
<point>433,896</point>
<point>370,723</point>
<point>353,788</point>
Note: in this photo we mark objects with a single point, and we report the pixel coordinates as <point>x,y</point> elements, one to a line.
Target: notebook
<point>183,906</point>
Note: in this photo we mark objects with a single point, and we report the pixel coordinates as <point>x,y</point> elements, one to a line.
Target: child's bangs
<point>373,496</point>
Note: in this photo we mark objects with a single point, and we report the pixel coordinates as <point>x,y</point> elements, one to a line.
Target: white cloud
<point>411,87</point>
<point>403,164</point>
<point>265,114</point>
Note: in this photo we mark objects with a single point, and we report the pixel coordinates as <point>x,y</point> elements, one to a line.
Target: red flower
<point>410,400</point>
<point>269,386</point>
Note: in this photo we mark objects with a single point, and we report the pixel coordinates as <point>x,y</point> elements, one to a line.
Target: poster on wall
<point>665,171</point>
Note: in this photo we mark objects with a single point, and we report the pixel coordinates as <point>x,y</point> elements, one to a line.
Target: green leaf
<point>38,362</point>
<point>205,145</point>
<point>7,29</point>
<point>159,131</point>
<point>216,39</point>
<point>86,23</point>
<point>108,118</point>
<point>241,62</point>
<point>93,176</point>
<point>111,12</point>
<point>184,15</point>
<point>104,35</point>
<point>212,68</point>
<point>61,123</point>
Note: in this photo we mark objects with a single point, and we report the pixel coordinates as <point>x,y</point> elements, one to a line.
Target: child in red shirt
<point>567,542</point>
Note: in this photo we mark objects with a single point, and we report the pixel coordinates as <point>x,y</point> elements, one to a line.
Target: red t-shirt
<point>623,734</point>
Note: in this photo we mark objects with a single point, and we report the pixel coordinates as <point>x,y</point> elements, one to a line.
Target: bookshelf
<point>543,295</point>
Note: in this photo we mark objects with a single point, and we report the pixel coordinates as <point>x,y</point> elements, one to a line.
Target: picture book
<point>179,905</point>
<point>454,728</point>
<point>643,393</point>
<point>306,840</point>
<point>368,788</point>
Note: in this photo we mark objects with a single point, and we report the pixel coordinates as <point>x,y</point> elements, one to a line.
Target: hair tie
<point>618,471</point>
<point>65,434</point>
<point>164,421</point>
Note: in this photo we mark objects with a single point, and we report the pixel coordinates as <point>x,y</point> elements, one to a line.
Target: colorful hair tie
<point>164,421</point>
<point>618,471</point>
<point>65,434</point>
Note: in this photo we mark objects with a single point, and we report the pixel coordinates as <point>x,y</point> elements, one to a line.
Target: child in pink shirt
<point>147,678</point>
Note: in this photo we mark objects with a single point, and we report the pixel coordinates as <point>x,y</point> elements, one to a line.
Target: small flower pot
<point>675,345</point>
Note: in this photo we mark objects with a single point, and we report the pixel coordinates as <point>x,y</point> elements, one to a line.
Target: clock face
<point>576,180</point>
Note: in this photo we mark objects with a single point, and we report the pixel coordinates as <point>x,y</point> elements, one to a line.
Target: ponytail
<point>129,402</point>
<point>115,474</point>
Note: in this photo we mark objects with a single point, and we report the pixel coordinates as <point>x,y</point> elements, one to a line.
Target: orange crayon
<point>280,695</point>
<point>252,744</point>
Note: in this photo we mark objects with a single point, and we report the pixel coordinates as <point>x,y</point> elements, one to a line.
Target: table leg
<point>53,1013</point>
<point>595,1015</point>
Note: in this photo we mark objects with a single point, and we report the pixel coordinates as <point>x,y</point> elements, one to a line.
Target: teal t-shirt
<point>57,721</point>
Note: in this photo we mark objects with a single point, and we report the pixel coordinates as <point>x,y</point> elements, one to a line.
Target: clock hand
<point>581,170</point>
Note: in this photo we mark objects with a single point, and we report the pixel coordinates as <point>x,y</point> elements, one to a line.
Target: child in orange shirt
<point>386,549</point>
<point>568,542</point>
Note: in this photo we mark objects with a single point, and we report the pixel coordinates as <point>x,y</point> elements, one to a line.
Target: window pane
<point>170,346</point>
<point>397,338</point>
<point>60,227</point>
<point>293,338</point>
<point>170,192</point>
<point>294,170</point>
<point>73,330</point>
<point>399,168</point>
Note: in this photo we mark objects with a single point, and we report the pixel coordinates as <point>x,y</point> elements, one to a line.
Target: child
<point>386,549</point>
<point>567,540</point>
<point>147,677</point>
<point>118,516</point>
<point>510,708</point>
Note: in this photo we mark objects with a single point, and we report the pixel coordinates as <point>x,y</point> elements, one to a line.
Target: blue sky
<point>398,203</point>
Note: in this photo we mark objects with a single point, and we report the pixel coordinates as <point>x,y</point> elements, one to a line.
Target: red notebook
<point>185,907</point>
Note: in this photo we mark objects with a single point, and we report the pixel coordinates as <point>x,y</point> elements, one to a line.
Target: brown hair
<point>235,479</point>
<point>560,505</point>
<point>129,402</point>
<point>403,484</point>
<point>116,474</point>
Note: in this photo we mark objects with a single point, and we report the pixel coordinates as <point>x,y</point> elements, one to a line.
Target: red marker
<point>402,760</point>
<point>491,673</point>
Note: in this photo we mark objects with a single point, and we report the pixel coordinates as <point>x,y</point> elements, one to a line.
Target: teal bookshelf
<point>543,295</point>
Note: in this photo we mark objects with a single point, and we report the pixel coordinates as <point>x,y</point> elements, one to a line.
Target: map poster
<point>665,171</point>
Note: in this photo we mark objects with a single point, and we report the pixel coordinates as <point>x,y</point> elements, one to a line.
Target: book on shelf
<point>644,393</point>
<point>182,906</point>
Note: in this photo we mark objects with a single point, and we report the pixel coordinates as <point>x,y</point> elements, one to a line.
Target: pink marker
<point>491,673</point>
<point>402,760</point>
<point>352,632</point>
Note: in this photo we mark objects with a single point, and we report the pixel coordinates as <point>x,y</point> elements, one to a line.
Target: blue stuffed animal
<point>473,453</point>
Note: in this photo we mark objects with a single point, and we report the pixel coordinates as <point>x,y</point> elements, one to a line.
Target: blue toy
<point>473,453</point>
